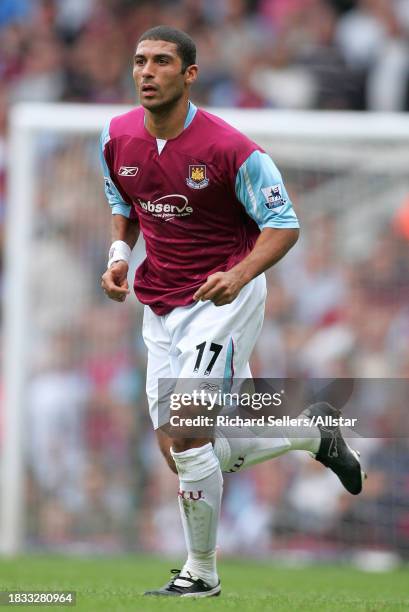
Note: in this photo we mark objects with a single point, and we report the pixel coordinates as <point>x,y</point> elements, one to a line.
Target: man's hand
<point>114,281</point>
<point>271,245</point>
<point>221,288</point>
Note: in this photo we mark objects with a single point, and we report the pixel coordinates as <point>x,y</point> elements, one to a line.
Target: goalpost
<point>367,154</point>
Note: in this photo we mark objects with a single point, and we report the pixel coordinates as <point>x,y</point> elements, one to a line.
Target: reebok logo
<point>128,170</point>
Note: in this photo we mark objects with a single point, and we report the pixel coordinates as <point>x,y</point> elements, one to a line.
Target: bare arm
<point>114,280</point>
<point>272,244</point>
<point>125,229</point>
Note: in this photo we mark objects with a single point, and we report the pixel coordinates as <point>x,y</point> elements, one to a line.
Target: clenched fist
<point>114,281</point>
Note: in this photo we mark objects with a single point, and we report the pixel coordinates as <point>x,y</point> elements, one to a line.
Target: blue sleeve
<point>115,200</point>
<point>260,188</point>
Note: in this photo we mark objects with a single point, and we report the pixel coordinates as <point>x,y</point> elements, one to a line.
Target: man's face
<point>157,73</point>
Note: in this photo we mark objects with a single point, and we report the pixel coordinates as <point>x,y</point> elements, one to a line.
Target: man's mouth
<point>148,89</point>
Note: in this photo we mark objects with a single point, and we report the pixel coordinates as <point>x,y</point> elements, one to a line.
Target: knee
<point>178,445</point>
<point>169,460</point>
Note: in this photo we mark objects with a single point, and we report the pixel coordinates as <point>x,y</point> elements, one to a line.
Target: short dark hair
<point>186,48</point>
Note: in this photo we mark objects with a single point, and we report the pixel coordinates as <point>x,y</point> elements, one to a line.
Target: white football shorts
<point>201,341</point>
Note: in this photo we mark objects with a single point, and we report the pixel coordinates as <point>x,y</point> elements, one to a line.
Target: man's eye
<point>139,62</point>
<point>163,60</point>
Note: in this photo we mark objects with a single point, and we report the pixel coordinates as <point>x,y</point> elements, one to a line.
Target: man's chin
<point>158,105</point>
<point>151,104</point>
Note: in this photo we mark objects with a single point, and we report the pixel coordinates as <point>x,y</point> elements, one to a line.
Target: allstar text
<point>221,420</point>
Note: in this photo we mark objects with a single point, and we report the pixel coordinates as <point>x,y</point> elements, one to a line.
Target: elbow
<point>293,237</point>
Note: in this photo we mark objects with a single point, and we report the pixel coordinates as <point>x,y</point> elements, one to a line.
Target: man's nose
<point>147,70</point>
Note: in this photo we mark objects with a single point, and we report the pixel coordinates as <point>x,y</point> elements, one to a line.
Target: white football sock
<point>200,494</point>
<point>304,437</point>
<point>237,453</point>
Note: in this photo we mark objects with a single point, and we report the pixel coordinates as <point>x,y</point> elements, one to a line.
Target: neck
<point>167,122</point>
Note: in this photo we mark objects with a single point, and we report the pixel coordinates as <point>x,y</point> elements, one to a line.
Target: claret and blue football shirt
<point>201,200</point>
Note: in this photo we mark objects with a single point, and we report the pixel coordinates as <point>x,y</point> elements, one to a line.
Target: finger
<point>115,289</point>
<point>116,298</point>
<point>205,288</point>
<point>116,293</point>
<point>222,301</point>
<point>216,291</point>
<point>108,283</point>
<point>111,280</point>
<point>215,294</point>
<point>121,282</point>
<point>227,297</point>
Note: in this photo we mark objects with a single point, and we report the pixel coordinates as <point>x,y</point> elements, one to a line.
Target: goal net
<point>80,470</point>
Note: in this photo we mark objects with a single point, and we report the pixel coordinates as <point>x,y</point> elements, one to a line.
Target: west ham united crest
<point>197,177</point>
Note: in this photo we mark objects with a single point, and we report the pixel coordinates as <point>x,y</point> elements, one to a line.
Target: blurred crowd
<point>252,53</point>
<point>95,478</point>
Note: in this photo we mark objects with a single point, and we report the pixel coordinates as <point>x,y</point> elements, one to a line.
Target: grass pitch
<point>116,584</point>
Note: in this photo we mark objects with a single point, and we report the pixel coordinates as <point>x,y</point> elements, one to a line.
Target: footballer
<point>215,214</point>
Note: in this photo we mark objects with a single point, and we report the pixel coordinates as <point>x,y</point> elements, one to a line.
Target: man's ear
<point>191,74</point>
